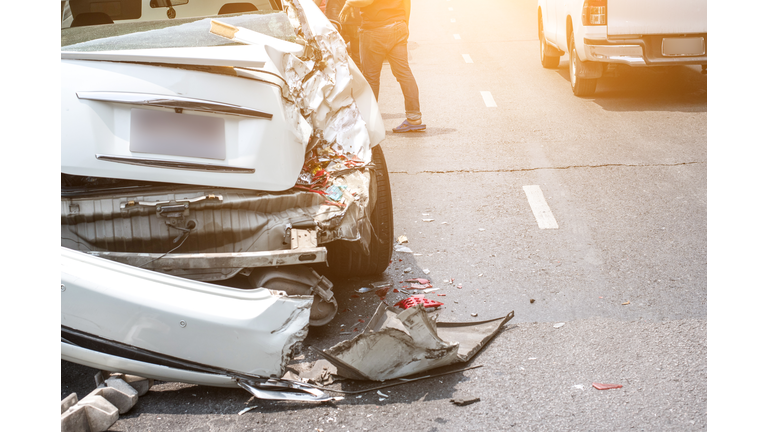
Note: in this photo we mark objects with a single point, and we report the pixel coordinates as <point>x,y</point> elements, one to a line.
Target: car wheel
<point>343,260</point>
<point>580,86</point>
<point>548,61</point>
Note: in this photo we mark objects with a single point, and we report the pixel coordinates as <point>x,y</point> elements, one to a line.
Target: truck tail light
<point>594,12</point>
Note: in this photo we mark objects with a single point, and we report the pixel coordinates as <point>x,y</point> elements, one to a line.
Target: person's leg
<point>373,50</point>
<point>398,61</point>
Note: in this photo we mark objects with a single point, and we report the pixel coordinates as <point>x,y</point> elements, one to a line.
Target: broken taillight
<point>594,12</point>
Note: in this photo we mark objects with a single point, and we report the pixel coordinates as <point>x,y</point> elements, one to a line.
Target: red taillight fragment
<point>594,12</point>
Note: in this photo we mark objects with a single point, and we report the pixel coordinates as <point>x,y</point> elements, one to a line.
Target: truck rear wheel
<point>580,86</point>
<point>343,259</point>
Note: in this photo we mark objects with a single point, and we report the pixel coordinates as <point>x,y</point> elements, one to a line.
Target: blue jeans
<point>390,42</point>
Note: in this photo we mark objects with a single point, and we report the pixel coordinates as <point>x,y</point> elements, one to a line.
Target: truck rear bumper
<point>652,50</point>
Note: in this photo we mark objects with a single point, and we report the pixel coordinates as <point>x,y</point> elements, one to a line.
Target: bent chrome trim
<point>161,261</point>
<point>173,102</point>
<point>164,163</point>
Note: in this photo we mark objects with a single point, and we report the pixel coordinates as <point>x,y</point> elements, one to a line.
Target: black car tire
<point>580,86</point>
<point>343,260</point>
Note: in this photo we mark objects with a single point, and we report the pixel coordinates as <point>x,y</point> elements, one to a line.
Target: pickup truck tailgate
<point>630,17</point>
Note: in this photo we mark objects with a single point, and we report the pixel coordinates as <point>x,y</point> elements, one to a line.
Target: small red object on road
<point>419,280</point>
<point>601,386</point>
<point>417,299</point>
<point>382,292</point>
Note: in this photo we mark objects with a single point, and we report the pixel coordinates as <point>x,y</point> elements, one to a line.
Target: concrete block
<point>75,419</point>
<point>101,414</point>
<point>68,402</point>
<point>141,384</point>
<point>122,398</point>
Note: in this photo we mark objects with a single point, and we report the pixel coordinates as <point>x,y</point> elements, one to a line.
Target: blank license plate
<point>174,134</point>
<point>693,46</point>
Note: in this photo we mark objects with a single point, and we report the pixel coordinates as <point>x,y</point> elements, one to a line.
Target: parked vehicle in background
<point>601,34</point>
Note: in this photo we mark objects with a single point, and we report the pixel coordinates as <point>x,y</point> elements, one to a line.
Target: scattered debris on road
<point>417,300</point>
<point>398,344</point>
<point>601,386</point>
<point>625,303</point>
<point>558,325</point>
<point>463,402</point>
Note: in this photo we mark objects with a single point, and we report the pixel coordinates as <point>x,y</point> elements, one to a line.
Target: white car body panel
<point>657,17</point>
<point>251,331</point>
<point>101,361</point>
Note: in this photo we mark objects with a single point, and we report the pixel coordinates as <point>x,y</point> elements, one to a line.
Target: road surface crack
<point>472,171</point>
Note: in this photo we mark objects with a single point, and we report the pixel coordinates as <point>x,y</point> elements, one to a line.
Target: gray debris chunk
<point>463,401</point>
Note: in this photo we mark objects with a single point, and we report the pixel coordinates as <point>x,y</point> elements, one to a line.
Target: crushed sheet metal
<point>286,390</point>
<point>395,345</point>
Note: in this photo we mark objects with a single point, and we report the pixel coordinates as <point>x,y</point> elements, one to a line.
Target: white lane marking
<point>488,99</point>
<point>467,58</point>
<point>541,211</point>
<point>456,36</point>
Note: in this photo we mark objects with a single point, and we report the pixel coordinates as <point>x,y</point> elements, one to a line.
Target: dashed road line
<point>467,58</point>
<point>488,99</point>
<point>540,208</point>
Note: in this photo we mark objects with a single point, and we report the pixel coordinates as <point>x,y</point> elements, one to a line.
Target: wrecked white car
<point>197,149</point>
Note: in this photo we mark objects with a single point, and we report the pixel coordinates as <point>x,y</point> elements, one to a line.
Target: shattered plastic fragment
<point>463,402</point>
<point>398,344</point>
<point>419,286</point>
<point>382,394</point>
<point>558,325</point>
<point>401,248</point>
<point>417,300</point>
<point>428,220</point>
<point>429,290</point>
<point>601,386</point>
<point>402,239</point>
<point>419,280</point>
<point>382,292</point>
<point>426,271</point>
<point>364,290</point>
<point>625,303</point>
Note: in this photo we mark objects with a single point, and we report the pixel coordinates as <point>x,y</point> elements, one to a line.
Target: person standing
<point>384,35</point>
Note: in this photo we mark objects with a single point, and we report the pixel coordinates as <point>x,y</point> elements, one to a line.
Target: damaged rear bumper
<point>114,307</point>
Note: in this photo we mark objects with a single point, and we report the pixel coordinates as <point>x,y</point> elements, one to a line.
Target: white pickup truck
<point>601,34</point>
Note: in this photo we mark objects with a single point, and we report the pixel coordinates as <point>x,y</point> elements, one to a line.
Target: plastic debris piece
<point>602,386</point>
<point>396,290</point>
<point>426,271</point>
<point>382,292</point>
<point>579,386</point>
<point>428,220</point>
<point>382,394</point>
<point>429,290</point>
<point>419,280</point>
<point>558,325</point>
<point>458,286</point>
<point>408,270</point>
<point>417,299</point>
<point>463,402</point>
<point>473,314</point>
<point>361,320</point>
<point>402,239</point>
<point>364,290</point>
<point>404,249</point>
<point>481,229</point>
<point>419,286</point>
<point>625,303</point>
<point>441,295</point>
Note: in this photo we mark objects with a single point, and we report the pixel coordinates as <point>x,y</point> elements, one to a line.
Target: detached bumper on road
<point>171,322</point>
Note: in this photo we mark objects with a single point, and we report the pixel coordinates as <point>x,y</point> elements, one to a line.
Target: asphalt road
<point>624,174</point>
